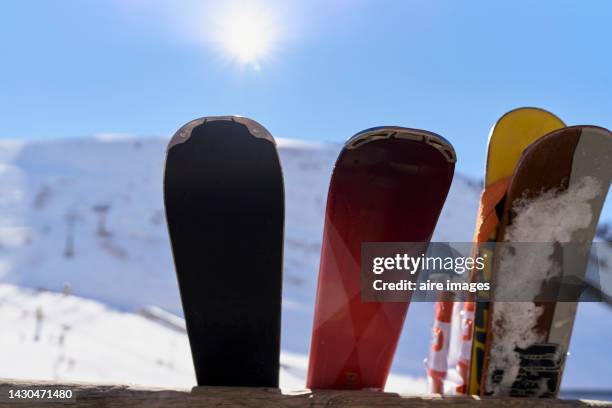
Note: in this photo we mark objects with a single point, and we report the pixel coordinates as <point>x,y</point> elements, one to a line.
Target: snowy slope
<point>88,214</point>
<point>53,336</point>
<point>64,337</point>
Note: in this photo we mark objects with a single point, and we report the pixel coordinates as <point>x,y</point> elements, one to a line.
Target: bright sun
<point>247,34</point>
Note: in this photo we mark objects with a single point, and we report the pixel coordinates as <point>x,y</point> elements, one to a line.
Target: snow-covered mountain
<point>86,216</point>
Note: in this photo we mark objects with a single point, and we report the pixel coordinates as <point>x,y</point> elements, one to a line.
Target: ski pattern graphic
<point>539,372</point>
<point>389,185</point>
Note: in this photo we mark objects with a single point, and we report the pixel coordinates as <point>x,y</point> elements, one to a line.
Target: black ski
<point>224,198</point>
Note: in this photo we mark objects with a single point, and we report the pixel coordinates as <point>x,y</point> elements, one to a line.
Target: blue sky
<point>74,68</point>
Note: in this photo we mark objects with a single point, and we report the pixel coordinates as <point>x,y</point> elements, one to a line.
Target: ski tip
<point>254,127</point>
<point>593,128</point>
<point>398,132</point>
<point>526,110</point>
<point>511,134</point>
<point>527,114</point>
<point>581,129</point>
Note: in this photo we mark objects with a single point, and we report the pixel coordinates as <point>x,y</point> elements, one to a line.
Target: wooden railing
<point>98,395</point>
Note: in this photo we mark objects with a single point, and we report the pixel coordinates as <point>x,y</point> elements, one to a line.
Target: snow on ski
<point>555,197</point>
<point>510,135</point>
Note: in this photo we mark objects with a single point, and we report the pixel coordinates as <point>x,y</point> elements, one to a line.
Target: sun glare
<point>247,34</point>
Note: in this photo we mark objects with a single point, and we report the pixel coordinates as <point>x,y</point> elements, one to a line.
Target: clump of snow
<point>554,216</point>
<point>522,269</point>
<point>513,326</point>
<point>551,217</point>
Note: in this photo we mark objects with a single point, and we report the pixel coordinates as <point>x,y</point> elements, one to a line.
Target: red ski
<point>389,185</point>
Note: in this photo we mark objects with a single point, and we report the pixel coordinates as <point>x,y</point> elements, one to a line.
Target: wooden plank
<point>97,395</point>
